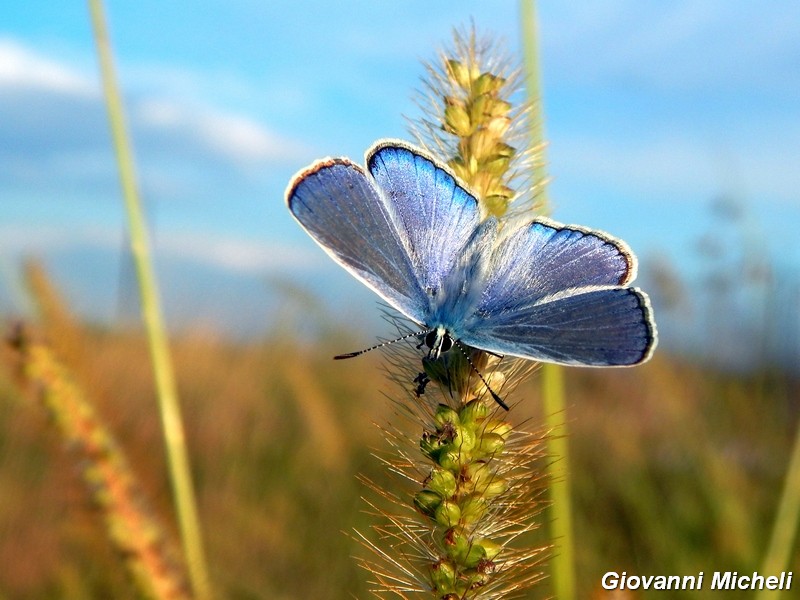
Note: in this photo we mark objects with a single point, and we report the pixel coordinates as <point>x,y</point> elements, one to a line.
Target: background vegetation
<point>677,466</point>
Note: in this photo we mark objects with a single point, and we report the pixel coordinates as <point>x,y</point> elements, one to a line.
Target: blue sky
<point>653,110</point>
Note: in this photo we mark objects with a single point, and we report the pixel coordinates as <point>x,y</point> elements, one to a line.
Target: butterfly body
<point>536,289</point>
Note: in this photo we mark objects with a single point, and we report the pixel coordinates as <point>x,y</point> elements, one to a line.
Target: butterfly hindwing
<point>553,292</point>
<point>609,326</point>
<point>545,257</point>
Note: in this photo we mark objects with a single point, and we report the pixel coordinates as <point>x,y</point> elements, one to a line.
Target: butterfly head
<point>439,341</point>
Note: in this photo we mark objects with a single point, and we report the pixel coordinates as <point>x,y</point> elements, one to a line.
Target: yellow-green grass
<point>676,469</point>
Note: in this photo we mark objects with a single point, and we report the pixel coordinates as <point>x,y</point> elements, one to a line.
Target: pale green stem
<point>174,438</point>
<point>554,404</point>
<point>784,530</point>
<point>563,563</point>
<point>533,84</point>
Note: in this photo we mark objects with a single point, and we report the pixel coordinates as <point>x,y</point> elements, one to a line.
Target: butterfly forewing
<point>437,215</point>
<point>342,209</point>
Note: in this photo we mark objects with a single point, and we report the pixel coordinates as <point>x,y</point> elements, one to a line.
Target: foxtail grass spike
<point>150,554</point>
<point>174,437</point>
<point>63,332</point>
<point>474,482</point>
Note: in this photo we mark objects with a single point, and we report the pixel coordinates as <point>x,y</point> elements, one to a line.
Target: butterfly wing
<point>436,214</point>
<point>555,293</point>
<point>400,228</point>
<point>343,210</point>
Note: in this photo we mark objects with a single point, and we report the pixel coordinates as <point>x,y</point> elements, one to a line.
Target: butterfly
<point>410,230</point>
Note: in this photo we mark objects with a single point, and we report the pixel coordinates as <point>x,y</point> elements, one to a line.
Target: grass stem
<point>554,404</point>
<point>175,442</point>
<point>784,530</point>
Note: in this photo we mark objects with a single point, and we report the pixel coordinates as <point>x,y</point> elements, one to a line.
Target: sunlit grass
<point>164,378</point>
<point>554,401</point>
<point>675,468</point>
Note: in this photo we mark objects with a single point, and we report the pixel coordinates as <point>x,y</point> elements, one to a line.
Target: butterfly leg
<point>422,380</point>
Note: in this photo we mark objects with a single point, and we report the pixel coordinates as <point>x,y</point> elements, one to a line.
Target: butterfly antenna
<point>496,398</point>
<point>381,345</point>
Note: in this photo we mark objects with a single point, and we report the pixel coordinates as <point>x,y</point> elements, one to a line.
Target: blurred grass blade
<point>554,405</point>
<point>178,459</point>
<point>563,562</point>
<point>148,551</point>
<point>784,529</point>
<point>533,85</point>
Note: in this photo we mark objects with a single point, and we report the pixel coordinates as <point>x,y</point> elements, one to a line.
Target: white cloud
<point>21,67</point>
<point>53,122</point>
<point>239,255</point>
<point>19,241</point>
<point>245,256</point>
<point>235,137</point>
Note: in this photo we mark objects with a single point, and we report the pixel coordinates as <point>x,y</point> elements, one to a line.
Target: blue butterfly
<point>412,232</point>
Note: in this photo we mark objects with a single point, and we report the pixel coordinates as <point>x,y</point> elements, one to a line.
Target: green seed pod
<point>457,120</point>
<point>482,145</point>
<point>498,126</point>
<point>458,73</point>
<point>447,513</point>
<point>475,555</point>
<point>443,576</point>
<point>426,502</point>
<point>456,544</point>
<point>497,165</point>
<point>475,410</point>
<point>496,205</point>
<point>498,108</point>
<point>477,473</point>
<point>451,460</point>
<point>487,84</point>
<point>465,439</point>
<point>477,109</point>
<point>478,577</point>
<point>491,548</point>
<point>443,482</point>
<point>498,427</point>
<point>490,444</point>
<point>473,166</point>
<point>494,487</point>
<point>473,507</point>
<point>431,446</point>
<point>444,415</point>
<point>503,149</point>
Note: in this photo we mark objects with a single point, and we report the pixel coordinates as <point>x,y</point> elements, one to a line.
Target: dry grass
<point>676,468</point>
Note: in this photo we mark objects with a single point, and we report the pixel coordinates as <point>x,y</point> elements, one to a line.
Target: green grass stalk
<point>554,404</point>
<point>174,437</point>
<point>784,530</point>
